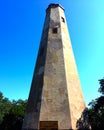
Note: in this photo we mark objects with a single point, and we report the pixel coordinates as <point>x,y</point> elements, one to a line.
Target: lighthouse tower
<point>55,100</point>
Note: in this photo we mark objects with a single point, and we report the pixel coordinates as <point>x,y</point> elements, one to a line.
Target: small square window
<point>63,20</point>
<point>54,30</point>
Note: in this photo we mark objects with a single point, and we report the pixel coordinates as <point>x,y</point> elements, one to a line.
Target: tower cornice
<point>52,5</point>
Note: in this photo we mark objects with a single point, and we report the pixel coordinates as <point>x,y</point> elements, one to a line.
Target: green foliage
<point>101,89</point>
<point>11,122</point>
<point>5,106</point>
<point>11,113</point>
<point>18,107</point>
<point>96,110</point>
<point>95,114</point>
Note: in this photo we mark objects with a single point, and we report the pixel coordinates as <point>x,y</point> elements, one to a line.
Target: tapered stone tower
<point>55,100</point>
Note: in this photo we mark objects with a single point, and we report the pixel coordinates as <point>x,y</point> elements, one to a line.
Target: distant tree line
<point>12,113</point>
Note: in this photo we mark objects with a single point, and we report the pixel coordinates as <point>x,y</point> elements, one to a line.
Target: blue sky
<point>21,23</point>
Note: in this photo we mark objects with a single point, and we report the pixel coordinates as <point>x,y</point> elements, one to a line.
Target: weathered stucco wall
<point>55,104</point>
<point>76,100</point>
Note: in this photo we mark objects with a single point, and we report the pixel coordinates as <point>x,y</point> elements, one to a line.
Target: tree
<point>96,109</point>
<point>101,89</point>
<point>95,113</point>
<point>5,105</point>
<point>11,113</point>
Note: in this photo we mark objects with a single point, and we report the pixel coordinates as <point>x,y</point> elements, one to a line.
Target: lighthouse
<point>55,101</point>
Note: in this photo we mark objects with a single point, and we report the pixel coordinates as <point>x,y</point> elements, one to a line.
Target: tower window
<point>54,30</point>
<point>63,20</point>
